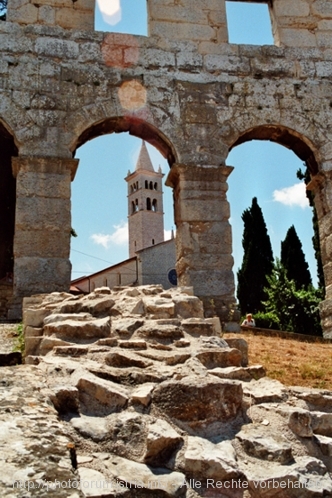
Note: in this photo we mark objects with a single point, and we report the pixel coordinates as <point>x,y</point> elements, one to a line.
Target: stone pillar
<point>204,238</point>
<point>42,224</point>
<point>321,186</point>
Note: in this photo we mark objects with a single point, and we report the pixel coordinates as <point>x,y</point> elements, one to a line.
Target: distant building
<point>151,259</point>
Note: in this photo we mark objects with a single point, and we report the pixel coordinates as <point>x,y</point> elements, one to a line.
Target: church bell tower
<point>145,204</point>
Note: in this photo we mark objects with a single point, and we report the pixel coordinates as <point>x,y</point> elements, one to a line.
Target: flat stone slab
<point>214,358</point>
<point>265,390</point>
<point>76,330</point>
<point>198,327</point>
<point>132,344</point>
<point>94,484</point>
<point>264,443</point>
<point>93,427</point>
<point>126,359</point>
<point>142,394</point>
<point>98,396</point>
<point>214,461</point>
<point>139,477</point>
<point>322,423</point>
<point>155,331</point>
<point>239,373</point>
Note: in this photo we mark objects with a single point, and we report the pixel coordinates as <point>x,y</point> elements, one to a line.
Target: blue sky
<point>261,169</point>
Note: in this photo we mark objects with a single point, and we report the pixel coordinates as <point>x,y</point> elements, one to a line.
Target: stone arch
<point>285,136</point>
<point>312,154</point>
<point>134,126</point>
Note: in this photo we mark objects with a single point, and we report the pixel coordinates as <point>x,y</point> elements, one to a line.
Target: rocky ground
<point>132,392</point>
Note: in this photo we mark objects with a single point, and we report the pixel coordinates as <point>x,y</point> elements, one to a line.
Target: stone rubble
<point>120,397</point>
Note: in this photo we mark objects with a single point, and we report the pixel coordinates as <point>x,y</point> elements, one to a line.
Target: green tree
<point>315,239</point>
<point>257,260</point>
<point>3,9</point>
<point>297,309</point>
<point>293,260</point>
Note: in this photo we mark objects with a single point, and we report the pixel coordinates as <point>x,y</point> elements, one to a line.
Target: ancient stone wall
<point>185,90</point>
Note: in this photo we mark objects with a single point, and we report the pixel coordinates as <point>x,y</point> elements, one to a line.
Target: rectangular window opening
<point>122,16</point>
<point>249,23</point>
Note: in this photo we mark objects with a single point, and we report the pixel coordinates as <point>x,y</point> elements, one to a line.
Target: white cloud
<point>110,10</point>
<point>292,196</point>
<point>119,237</point>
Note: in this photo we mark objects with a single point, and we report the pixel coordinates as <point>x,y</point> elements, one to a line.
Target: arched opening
<point>7,214</point>
<point>154,205</point>
<point>108,190</point>
<point>151,186</point>
<point>266,162</point>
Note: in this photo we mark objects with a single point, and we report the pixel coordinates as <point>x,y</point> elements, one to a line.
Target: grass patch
<point>292,362</point>
<point>19,342</point>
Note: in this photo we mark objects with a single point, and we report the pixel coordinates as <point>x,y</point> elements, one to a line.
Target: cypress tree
<point>293,260</point>
<point>257,260</point>
<point>315,239</point>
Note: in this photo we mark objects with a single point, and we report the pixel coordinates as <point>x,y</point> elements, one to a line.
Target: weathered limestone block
<point>98,305</point>
<point>308,473</point>
<point>240,373</point>
<point>35,317</point>
<point>265,390</point>
<point>125,327</point>
<point>126,360</point>
<point>205,460</point>
<point>95,428</point>
<point>262,442</point>
<point>132,344</point>
<point>95,484</point>
<point>160,332</point>
<point>97,396</point>
<point>161,442</point>
<point>32,331</point>
<point>160,481</point>
<point>322,423</point>
<point>159,308</point>
<point>214,358</point>
<point>198,327</point>
<point>76,330</point>
<point>73,351</point>
<point>142,394</point>
<point>242,346</point>
<point>299,422</point>
<point>315,399</point>
<point>44,345</point>
<point>199,404</point>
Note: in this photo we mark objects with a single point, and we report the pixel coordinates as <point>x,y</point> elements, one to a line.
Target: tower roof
<point>144,161</point>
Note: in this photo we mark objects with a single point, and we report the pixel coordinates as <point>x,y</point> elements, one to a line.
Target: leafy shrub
<point>268,320</point>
